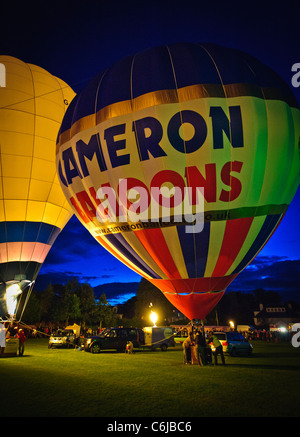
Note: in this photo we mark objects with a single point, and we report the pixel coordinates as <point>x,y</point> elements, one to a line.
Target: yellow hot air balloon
<point>33,209</point>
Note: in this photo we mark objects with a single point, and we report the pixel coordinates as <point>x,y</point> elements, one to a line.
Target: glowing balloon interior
<point>182,117</point>
<point>33,208</point>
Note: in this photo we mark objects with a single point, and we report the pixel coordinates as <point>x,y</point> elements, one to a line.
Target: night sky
<point>76,40</point>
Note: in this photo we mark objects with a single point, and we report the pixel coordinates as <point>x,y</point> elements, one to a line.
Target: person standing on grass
<point>218,350</point>
<point>22,339</point>
<point>187,348</point>
<point>2,339</point>
<point>200,348</point>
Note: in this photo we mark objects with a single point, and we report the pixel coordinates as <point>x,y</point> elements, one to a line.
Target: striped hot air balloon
<point>33,208</point>
<point>179,116</point>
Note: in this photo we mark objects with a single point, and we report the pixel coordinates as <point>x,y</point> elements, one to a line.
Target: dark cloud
<point>117,292</point>
<point>271,273</point>
<point>55,277</point>
<point>74,242</point>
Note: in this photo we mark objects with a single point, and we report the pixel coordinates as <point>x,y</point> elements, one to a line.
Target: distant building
<point>276,316</point>
<point>115,312</point>
<point>177,315</point>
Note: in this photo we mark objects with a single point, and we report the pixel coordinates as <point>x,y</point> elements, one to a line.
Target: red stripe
<point>154,242</point>
<point>179,286</point>
<point>235,234</point>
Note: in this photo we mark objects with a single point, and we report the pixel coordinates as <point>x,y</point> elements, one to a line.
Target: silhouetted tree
<point>148,294</point>
<point>103,312</point>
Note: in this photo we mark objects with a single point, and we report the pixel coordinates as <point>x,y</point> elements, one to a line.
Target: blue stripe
<point>170,67</point>
<point>115,85</point>
<point>194,250</point>
<point>119,242</point>
<point>201,69</point>
<point>152,71</point>
<point>266,230</point>
<point>28,231</point>
<point>231,65</point>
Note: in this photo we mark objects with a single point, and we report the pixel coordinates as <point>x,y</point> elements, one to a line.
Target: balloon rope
<point>26,301</point>
<point>33,329</point>
<point>170,336</point>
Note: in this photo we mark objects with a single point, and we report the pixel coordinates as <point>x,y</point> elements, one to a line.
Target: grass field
<point>71,383</point>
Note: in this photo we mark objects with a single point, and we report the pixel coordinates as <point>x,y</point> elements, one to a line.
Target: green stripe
<point>250,211</point>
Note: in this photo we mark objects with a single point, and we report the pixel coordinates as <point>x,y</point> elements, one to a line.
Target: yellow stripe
<point>139,249</point>
<point>251,236</point>
<point>172,239</point>
<point>215,243</point>
<point>122,257</point>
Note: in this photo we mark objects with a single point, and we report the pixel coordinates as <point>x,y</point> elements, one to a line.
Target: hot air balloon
<point>33,208</point>
<point>212,120</point>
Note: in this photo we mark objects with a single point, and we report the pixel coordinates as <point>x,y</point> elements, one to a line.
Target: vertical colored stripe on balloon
<point>119,243</point>
<point>139,249</point>
<point>171,236</point>
<point>217,230</point>
<point>235,234</point>
<point>254,230</point>
<point>194,249</point>
<point>119,256</point>
<point>154,242</point>
<point>269,225</point>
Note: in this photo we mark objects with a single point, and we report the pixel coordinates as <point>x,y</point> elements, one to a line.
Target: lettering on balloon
<point>171,196</point>
<point>134,202</point>
<point>148,133</point>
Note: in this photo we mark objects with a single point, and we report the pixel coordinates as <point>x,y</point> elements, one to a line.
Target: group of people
<point>196,344</point>
<point>6,331</point>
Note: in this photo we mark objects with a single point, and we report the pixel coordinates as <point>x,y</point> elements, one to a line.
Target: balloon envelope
<point>33,208</point>
<point>177,118</point>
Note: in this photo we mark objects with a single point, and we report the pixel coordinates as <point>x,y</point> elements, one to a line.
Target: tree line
<point>73,302</point>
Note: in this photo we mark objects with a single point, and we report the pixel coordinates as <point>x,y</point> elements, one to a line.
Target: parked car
<point>234,343</point>
<point>117,338</point>
<point>62,338</point>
